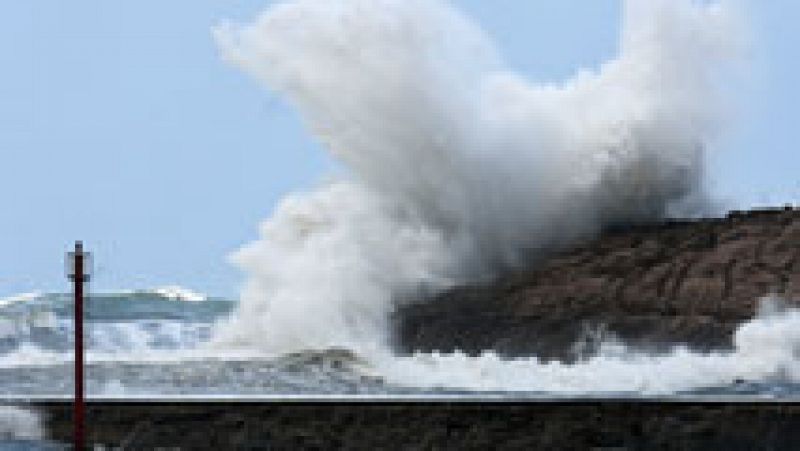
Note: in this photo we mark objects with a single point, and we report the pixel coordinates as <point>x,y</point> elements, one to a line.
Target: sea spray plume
<point>327,271</point>
<point>457,166</point>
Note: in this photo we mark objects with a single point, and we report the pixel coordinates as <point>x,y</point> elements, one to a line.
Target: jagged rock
<point>653,286</point>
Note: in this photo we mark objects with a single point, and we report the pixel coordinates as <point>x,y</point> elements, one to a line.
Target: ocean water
<point>158,343</point>
<point>147,343</point>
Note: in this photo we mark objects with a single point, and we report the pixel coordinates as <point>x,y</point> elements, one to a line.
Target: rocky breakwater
<point>654,286</point>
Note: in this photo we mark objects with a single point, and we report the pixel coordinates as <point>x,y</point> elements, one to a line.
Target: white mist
<point>457,166</point>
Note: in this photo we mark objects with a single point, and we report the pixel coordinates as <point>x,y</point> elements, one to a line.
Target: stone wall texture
<point>617,425</point>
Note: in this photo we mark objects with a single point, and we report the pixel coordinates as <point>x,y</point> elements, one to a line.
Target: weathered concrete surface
<point>689,282</point>
<point>561,425</point>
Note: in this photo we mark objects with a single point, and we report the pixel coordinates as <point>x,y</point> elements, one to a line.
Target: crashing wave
<point>458,167</point>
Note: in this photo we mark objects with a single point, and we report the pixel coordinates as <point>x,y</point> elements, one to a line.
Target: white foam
<point>28,355</point>
<point>765,348</point>
<point>143,340</point>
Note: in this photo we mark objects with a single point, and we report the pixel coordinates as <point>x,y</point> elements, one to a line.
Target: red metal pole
<point>79,401</point>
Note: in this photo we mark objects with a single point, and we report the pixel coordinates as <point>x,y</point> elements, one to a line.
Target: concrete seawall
<point>442,424</point>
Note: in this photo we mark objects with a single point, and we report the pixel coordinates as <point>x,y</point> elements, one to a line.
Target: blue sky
<point>121,126</point>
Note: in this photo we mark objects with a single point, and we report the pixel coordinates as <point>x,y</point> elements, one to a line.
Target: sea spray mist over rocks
<point>458,167</point>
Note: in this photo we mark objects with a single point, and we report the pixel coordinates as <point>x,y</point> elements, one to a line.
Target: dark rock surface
<point>578,425</point>
<point>688,282</point>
